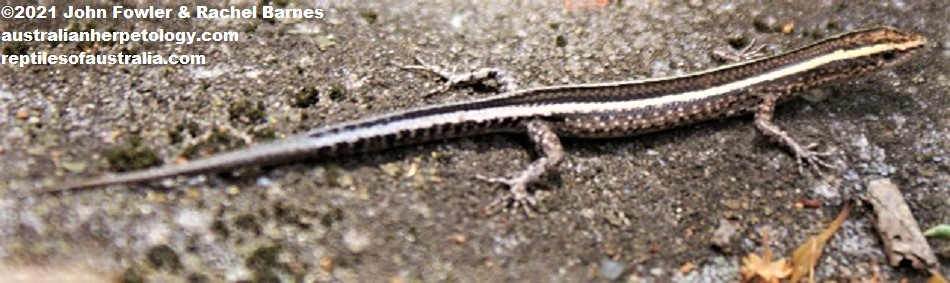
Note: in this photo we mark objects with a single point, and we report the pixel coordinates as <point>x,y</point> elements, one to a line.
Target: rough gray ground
<point>639,207</point>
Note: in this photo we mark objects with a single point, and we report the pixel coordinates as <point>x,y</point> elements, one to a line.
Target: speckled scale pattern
<point>592,110</point>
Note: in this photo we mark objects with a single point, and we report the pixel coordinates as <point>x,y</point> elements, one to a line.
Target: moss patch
<point>132,157</point>
<point>16,48</point>
<point>220,228</point>
<point>333,216</point>
<point>163,257</point>
<point>246,111</point>
<point>264,134</point>
<point>265,262</point>
<point>132,275</point>
<point>306,97</point>
<point>247,222</point>
<point>217,142</point>
<point>370,16</point>
<point>175,134</point>
<point>337,93</point>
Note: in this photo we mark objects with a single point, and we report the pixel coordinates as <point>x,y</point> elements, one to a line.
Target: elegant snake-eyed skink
<point>601,110</point>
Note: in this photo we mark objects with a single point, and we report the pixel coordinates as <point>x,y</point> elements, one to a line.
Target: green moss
<point>306,97</point>
<point>337,93</point>
<point>332,176</point>
<point>220,228</point>
<point>247,222</point>
<point>131,157</point>
<point>132,275</point>
<point>333,216</point>
<point>817,34</point>
<point>218,141</point>
<point>280,3</point>
<point>833,25</point>
<point>264,134</point>
<point>370,16</point>
<point>245,109</point>
<point>560,41</point>
<point>83,26</point>
<point>108,43</point>
<point>16,48</point>
<point>163,257</point>
<point>286,213</point>
<point>198,278</point>
<point>189,127</point>
<point>843,5</point>
<point>265,263</point>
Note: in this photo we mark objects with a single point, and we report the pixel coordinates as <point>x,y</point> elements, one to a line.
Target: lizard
<point>594,110</point>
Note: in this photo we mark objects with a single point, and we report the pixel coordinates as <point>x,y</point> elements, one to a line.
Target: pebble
<point>356,241</point>
<point>610,270</point>
<point>722,237</point>
<point>22,114</point>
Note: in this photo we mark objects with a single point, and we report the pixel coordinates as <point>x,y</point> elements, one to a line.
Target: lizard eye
<point>889,55</point>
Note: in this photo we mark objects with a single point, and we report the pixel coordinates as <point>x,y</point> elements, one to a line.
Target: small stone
<point>36,150</point>
<point>356,241</point>
<point>391,169</point>
<point>74,167</point>
<point>616,218</point>
<point>324,42</point>
<point>459,239</point>
<point>22,114</point>
<point>326,264</point>
<point>788,28</point>
<point>610,270</point>
<point>412,170</point>
<point>687,267</point>
<point>732,203</point>
<point>346,180</point>
<point>722,237</point>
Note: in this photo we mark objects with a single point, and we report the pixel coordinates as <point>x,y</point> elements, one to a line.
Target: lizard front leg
<point>504,82</point>
<point>549,145</point>
<point>763,121</point>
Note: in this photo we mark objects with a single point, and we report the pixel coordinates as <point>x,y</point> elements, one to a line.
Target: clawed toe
<point>813,159</point>
<point>748,52</point>
<point>517,196</point>
<point>527,204</point>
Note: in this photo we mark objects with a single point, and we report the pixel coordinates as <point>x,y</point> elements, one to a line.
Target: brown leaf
<point>763,269</point>
<point>936,278</point>
<point>806,256</point>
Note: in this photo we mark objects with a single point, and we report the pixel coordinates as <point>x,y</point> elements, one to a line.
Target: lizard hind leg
<point>549,145</point>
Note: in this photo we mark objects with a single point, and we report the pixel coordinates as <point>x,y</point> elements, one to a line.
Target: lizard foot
<point>517,196</point>
<point>489,77</point>
<point>805,155</point>
<point>748,52</point>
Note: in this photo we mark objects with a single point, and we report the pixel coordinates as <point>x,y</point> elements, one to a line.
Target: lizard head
<point>882,46</point>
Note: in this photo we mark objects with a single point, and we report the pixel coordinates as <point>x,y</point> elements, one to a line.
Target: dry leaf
<point>806,256</point>
<point>936,278</point>
<point>687,267</point>
<point>763,269</point>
